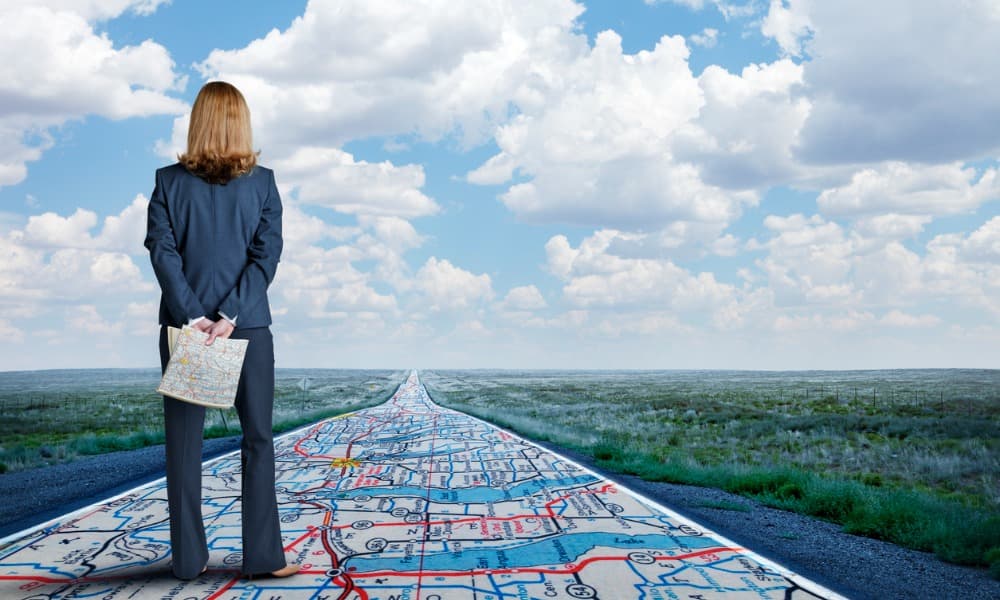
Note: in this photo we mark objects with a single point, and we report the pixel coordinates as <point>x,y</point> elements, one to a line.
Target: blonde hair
<point>219,141</point>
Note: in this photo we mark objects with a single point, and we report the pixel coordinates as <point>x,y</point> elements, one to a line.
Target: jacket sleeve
<point>168,265</point>
<point>262,258</point>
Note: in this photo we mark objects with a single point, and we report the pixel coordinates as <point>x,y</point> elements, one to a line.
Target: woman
<point>214,238</point>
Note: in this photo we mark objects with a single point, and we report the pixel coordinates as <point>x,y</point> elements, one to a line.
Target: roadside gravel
<point>38,495</point>
<point>854,566</point>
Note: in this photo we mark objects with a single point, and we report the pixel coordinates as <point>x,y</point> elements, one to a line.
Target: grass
<point>46,423</point>
<point>911,457</point>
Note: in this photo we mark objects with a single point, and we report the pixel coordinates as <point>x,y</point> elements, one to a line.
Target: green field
<point>908,456</point>
<point>55,416</point>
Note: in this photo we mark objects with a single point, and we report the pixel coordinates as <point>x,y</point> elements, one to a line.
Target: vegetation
<point>912,457</point>
<point>57,416</point>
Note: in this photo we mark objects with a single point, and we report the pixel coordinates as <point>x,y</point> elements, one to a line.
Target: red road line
<point>308,533</point>
<point>96,579</point>
<point>223,589</point>
<point>312,430</point>
<point>575,568</point>
<point>34,578</point>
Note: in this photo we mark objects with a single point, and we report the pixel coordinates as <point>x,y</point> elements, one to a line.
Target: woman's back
<point>218,230</point>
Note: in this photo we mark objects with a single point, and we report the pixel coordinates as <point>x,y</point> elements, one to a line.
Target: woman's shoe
<point>285,571</point>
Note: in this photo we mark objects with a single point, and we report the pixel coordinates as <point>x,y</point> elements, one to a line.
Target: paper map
<point>206,375</point>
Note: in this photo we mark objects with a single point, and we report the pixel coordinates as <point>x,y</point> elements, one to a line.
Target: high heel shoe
<point>285,571</point>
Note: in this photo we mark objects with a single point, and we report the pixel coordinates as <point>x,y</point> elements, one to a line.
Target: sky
<point>606,184</point>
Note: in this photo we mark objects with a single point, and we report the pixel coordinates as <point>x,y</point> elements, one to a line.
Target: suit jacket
<point>214,247</point>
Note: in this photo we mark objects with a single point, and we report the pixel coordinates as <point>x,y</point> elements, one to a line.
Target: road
<point>404,501</point>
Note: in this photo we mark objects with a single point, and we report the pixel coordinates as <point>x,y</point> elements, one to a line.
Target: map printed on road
<point>404,501</point>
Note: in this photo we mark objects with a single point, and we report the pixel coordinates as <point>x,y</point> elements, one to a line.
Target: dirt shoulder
<point>35,496</point>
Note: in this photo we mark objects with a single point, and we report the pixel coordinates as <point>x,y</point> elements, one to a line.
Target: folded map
<point>200,374</point>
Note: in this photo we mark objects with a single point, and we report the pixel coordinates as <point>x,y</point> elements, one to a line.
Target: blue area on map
<point>478,494</point>
<point>528,553</point>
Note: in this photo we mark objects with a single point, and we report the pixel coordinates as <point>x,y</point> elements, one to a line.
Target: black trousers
<point>184,424</point>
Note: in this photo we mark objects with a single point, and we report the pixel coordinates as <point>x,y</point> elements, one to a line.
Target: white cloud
<point>33,276</point>
<point>123,232</point>
<point>816,265</point>
<point>393,233</point>
<point>597,150</point>
<point>809,261</point>
<point>51,230</point>
<point>897,80</point>
<point>906,189</point>
<point>890,275</point>
<point>126,231</point>
<point>596,278</point>
<point>692,4</point>
<point>358,297</point>
<point>708,38</point>
<point>319,283</point>
<point>891,225</point>
<point>744,133</point>
<point>386,241</point>
<point>97,10</point>
<point>897,318</point>
<point>848,321</point>
<point>642,324</point>
<point>523,298</point>
<point>498,169</point>
<point>141,318</point>
<point>86,318</point>
<point>473,329</point>
<point>65,70</point>
<point>333,178</point>
<point>349,69</point>
<point>300,229</point>
<point>53,260</point>
<point>983,244</point>
<point>448,287</point>
<point>729,10</point>
<point>10,333</point>
<point>787,25</point>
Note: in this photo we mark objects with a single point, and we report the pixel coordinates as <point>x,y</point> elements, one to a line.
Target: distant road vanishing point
<point>406,500</point>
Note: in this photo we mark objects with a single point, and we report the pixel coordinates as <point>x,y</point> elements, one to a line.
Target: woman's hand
<point>203,324</point>
<point>221,328</point>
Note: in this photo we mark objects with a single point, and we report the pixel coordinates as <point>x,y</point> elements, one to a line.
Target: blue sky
<point>547,184</point>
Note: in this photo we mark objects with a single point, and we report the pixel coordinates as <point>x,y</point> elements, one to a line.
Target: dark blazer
<point>214,247</point>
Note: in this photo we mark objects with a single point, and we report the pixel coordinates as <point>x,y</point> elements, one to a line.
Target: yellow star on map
<point>345,462</point>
